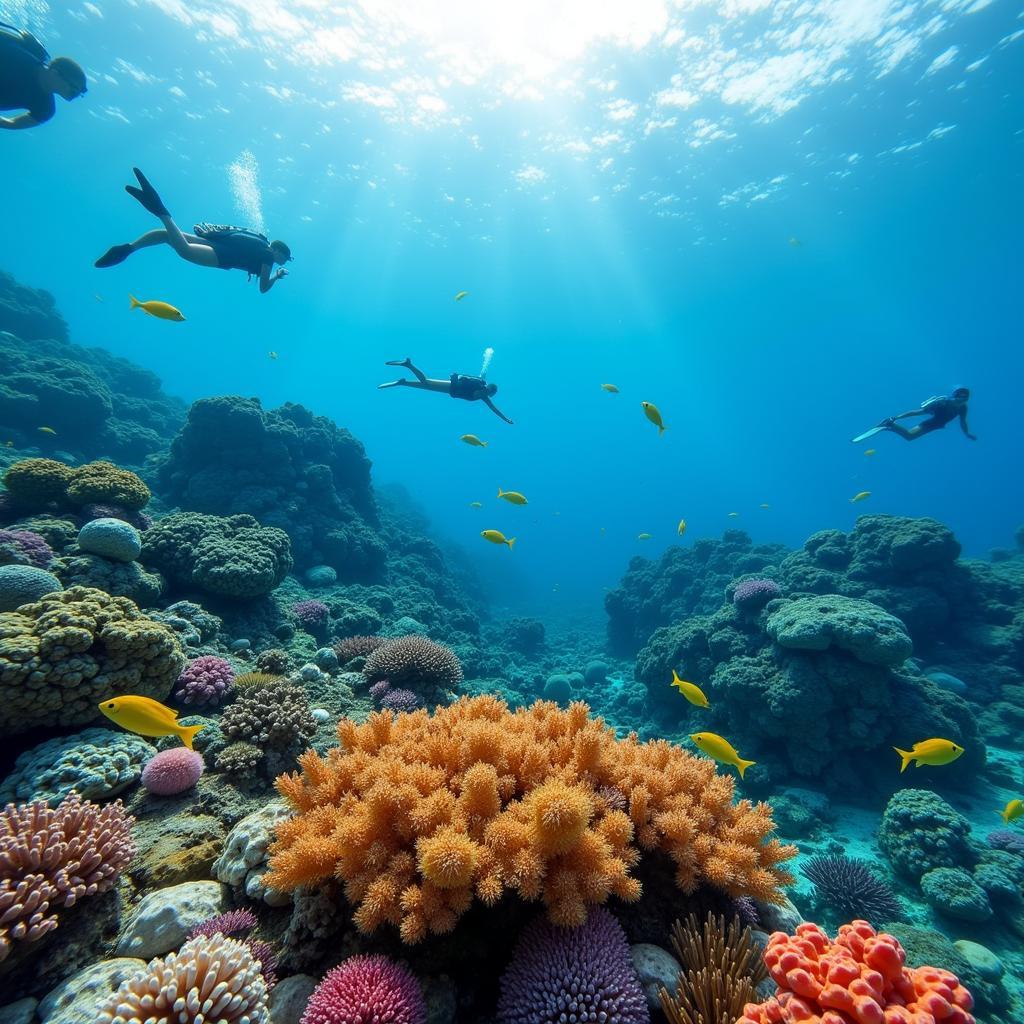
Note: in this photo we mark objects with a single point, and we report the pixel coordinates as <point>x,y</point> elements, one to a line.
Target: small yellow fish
<point>147,717</point>
<point>691,691</point>
<point>161,310</point>
<point>497,537</point>
<point>476,504</point>
<point>721,750</point>
<point>681,528</point>
<point>473,441</point>
<point>860,496</point>
<point>764,505</point>
<point>651,412</point>
<point>643,536</point>
<point>1012,811</point>
<point>513,497</point>
<point>47,430</point>
<point>934,751</point>
<point>870,451</point>
<point>272,354</point>
<point>459,296</point>
<point>610,388</point>
<point>734,515</point>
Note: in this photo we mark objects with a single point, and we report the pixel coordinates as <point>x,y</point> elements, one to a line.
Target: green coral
<point>231,556</point>
<point>64,654</point>
<point>953,892</point>
<point>921,832</point>
<point>120,579</point>
<point>106,483</point>
<point>33,483</point>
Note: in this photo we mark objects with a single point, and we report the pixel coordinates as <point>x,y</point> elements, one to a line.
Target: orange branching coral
<point>418,814</point>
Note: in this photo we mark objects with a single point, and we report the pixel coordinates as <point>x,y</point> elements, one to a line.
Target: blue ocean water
<point>779,223</point>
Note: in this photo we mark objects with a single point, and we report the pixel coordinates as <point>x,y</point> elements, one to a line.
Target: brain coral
<point>562,974</point>
<point>210,980</point>
<point>921,832</point>
<point>418,814</point>
<point>232,556</point>
<point>415,663</point>
<point>62,655</point>
<point>367,988</point>
<point>110,538</point>
<point>860,977</point>
<point>33,483</point>
<point>22,584</point>
<point>52,858</point>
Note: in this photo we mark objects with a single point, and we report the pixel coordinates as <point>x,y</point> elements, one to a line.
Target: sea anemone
<point>851,888</point>
<point>366,989</point>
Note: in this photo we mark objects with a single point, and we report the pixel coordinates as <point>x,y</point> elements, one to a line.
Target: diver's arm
<point>13,124</point>
<point>267,279</point>
<point>497,412</point>
<point>964,427</point>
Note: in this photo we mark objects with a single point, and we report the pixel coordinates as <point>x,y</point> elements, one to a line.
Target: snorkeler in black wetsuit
<point>29,79</point>
<point>940,410</point>
<point>469,389</point>
<point>213,245</point>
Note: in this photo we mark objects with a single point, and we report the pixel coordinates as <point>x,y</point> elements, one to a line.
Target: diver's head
<point>492,390</point>
<point>67,77</point>
<point>282,254</point>
<point>961,394</point>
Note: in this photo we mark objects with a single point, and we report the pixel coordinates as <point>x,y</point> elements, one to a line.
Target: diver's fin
<point>135,303</point>
<point>907,755</point>
<point>406,362</point>
<point>188,733</point>
<point>391,384</point>
<point>868,433</point>
<point>147,195</point>
<point>114,255</point>
<point>744,765</point>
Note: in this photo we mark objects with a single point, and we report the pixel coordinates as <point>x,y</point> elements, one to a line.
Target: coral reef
<point>560,974</point>
<point>850,888</point>
<point>50,858</point>
<point>419,813</point>
<point>62,655</point>
<point>311,615</point>
<point>367,988</point>
<point>29,313</point>
<point>921,832</point>
<point>119,579</point>
<point>23,547</point>
<point>207,679</point>
<point>170,772</point>
<point>415,663</point>
<point>753,594</point>
<point>23,584</point>
<point>350,647</point>
<point>36,484</point>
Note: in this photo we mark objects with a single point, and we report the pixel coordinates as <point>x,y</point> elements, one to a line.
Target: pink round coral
<point>756,593</point>
<point>367,990</point>
<point>205,680</point>
<point>172,771</point>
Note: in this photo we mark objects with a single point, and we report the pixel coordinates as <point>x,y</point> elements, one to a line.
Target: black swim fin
<point>147,195</point>
<point>406,362</point>
<point>114,255</point>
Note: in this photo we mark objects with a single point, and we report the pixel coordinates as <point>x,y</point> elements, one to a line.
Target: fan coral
<point>210,979</point>
<point>852,888</point>
<point>230,923</point>
<point>860,977</point>
<point>273,661</point>
<point>511,799</point>
<point>311,615</point>
<point>722,968</point>
<point>51,859</point>
<point>350,647</point>
<point>414,662</point>
<point>561,974</point>
<point>400,700</point>
<point>751,594</point>
<point>22,547</point>
<point>206,680</point>
<point>170,772</point>
<point>366,989</point>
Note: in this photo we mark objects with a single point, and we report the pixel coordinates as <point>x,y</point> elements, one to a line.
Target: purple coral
<point>1007,839</point>
<point>756,593</point>
<point>206,680</point>
<point>378,690</point>
<point>230,923</point>
<point>350,647</point>
<point>311,615</point>
<point>102,510</point>
<point>584,973</point>
<point>400,701</point>
<point>22,547</point>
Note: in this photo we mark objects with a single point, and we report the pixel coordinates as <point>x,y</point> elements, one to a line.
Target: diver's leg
<point>907,435</point>
<point>407,364</point>
<point>189,247</point>
<point>396,384</point>
<point>119,253</point>
<point>427,384</point>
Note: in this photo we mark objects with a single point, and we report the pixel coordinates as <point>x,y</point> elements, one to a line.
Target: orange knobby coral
<point>419,814</point>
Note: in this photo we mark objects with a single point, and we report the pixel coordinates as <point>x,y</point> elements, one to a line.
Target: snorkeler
<point>459,385</point>
<point>212,245</point>
<point>29,79</point>
<point>940,410</point>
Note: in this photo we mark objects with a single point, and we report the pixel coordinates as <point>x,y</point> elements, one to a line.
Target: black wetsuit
<point>19,82</point>
<point>237,248</point>
<point>941,412</point>
<point>467,388</point>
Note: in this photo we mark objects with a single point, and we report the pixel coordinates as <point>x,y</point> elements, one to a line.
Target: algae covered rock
<point>921,832</point>
<point>165,917</point>
<point>861,628</point>
<point>75,1001</point>
<point>244,860</point>
<point>953,892</point>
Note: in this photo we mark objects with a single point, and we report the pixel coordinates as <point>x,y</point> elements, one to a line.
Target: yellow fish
<point>161,310</point>
<point>643,536</point>
<point>681,528</point>
<point>272,354</point>
<point>476,504</point>
<point>651,412</point>
<point>1012,811</point>
<point>610,388</point>
<point>764,505</point>
<point>497,537</point>
<point>721,750</point>
<point>147,717</point>
<point>459,296</point>
<point>860,496</point>
<point>870,451</point>
<point>513,497</point>
<point>933,751</point>
<point>691,691</point>
<point>46,430</point>
<point>473,441</point>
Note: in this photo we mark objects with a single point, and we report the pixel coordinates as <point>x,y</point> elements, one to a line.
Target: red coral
<point>861,978</point>
<point>365,989</point>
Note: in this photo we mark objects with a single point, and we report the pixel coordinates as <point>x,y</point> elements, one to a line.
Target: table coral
<point>419,813</point>
<point>861,978</point>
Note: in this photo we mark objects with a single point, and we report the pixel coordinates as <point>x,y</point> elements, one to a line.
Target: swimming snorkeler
<point>459,385</point>
<point>212,245</point>
<point>29,79</point>
<point>940,410</point>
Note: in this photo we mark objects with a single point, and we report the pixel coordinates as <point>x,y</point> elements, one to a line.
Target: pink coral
<point>205,680</point>
<point>861,978</point>
<point>365,990</point>
<point>52,858</point>
<point>171,772</point>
